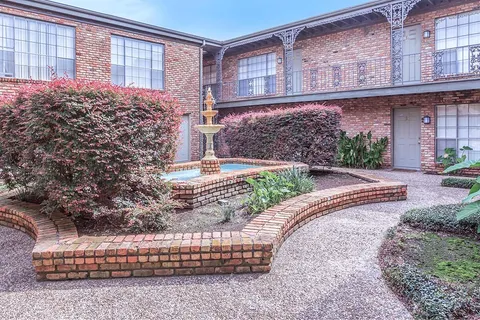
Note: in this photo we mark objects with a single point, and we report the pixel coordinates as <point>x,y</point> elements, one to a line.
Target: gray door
<point>406,138</point>
<point>183,148</point>
<point>412,41</point>
<point>297,71</point>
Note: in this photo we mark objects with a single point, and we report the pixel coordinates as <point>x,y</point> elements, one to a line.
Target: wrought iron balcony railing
<point>363,74</point>
<point>460,61</point>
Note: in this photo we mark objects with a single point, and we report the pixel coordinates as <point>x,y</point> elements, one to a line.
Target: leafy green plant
<point>361,151</point>
<point>473,203</point>
<point>449,158</point>
<point>228,212</point>
<point>270,189</point>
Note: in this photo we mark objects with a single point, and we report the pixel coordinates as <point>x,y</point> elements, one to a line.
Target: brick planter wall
<point>60,255</point>
<point>210,188</point>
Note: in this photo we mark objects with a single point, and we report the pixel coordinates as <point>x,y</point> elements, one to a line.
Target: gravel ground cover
<point>327,269</point>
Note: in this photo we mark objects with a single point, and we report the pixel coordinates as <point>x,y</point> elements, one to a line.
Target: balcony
<point>417,69</point>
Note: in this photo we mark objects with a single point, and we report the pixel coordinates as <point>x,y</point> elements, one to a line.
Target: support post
<point>219,76</point>
<point>288,38</point>
<point>396,13</point>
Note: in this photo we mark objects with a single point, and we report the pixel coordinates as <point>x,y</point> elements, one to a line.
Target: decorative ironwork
<point>288,38</point>
<point>362,72</point>
<point>438,64</point>
<point>266,85</point>
<point>396,13</point>
<point>475,59</point>
<point>251,90</point>
<point>313,79</point>
<point>218,62</point>
<point>337,76</point>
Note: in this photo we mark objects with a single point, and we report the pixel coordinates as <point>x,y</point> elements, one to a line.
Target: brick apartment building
<point>406,69</point>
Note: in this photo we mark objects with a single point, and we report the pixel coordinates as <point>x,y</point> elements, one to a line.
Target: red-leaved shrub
<point>83,146</point>
<point>307,134</point>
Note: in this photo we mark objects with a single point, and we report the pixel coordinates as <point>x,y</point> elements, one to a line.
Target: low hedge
<point>307,134</point>
<point>464,183</point>
<point>441,218</point>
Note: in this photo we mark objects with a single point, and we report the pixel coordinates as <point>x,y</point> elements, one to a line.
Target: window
<point>210,74</point>
<point>31,49</point>
<point>137,63</point>
<point>256,75</point>
<point>454,35</point>
<point>458,126</point>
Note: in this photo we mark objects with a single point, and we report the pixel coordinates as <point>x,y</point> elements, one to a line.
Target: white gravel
<point>326,270</point>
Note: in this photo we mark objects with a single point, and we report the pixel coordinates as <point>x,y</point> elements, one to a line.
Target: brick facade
<point>367,43</point>
<point>376,114</point>
<point>92,43</point>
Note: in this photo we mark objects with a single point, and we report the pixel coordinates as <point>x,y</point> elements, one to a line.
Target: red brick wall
<point>93,63</point>
<point>375,114</point>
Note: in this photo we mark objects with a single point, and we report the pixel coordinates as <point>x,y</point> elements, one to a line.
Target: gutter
<point>200,90</point>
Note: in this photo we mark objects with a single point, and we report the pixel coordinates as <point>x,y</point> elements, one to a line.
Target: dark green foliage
<point>361,151</point>
<point>449,158</point>
<point>270,189</point>
<point>441,218</point>
<point>454,182</point>
<point>430,299</point>
<point>307,134</point>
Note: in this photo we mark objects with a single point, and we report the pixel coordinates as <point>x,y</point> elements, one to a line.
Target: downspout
<point>200,102</point>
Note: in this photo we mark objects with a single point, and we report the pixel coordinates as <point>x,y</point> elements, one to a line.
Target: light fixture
<point>426,120</point>
<point>279,60</point>
<point>426,34</point>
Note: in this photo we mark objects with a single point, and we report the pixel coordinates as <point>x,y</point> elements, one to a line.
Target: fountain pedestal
<point>209,163</point>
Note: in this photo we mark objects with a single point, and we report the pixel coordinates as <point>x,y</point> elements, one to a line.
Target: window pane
<point>141,63</point>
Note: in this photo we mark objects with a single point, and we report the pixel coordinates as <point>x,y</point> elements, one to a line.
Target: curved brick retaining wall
<point>64,256</point>
<point>210,188</point>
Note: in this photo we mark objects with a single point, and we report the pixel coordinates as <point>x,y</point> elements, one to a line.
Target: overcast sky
<point>217,19</point>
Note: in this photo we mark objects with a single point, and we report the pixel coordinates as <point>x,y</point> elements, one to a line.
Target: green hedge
<point>441,218</point>
<point>463,183</point>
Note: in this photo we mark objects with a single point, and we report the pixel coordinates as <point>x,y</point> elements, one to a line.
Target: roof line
<point>94,16</point>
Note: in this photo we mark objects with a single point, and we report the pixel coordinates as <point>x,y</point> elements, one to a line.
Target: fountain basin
<point>213,128</point>
<point>198,190</point>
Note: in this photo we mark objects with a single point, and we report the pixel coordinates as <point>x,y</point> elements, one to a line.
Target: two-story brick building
<point>38,37</point>
<point>406,69</point>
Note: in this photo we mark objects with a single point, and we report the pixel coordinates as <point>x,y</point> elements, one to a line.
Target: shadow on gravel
<point>17,274</point>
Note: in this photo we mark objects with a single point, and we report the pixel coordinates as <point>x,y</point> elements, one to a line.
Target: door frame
<point>418,25</point>
<point>188,139</point>
<point>392,136</point>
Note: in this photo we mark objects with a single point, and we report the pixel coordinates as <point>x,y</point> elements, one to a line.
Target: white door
<point>297,71</point>
<point>406,138</point>
<point>183,149</point>
<point>412,42</point>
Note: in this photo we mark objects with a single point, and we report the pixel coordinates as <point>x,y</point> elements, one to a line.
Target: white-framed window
<point>257,75</point>
<point>210,74</point>
<point>458,126</point>
<point>137,63</point>
<point>32,49</point>
<point>454,35</point>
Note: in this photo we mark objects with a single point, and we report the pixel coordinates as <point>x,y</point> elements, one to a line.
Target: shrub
<point>307,134</point>
<point>270,189</point>
<point>441,218</point>
<point>228,212</point>
<point>458,183</point>
<point>83,145</point>
<point>449,157</point>
<point>360,151</point>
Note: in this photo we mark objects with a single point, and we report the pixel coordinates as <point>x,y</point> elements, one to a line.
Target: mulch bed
<point>210,218</point>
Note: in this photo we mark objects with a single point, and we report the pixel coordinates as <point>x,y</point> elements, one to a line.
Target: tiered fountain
<point>209,163</point>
